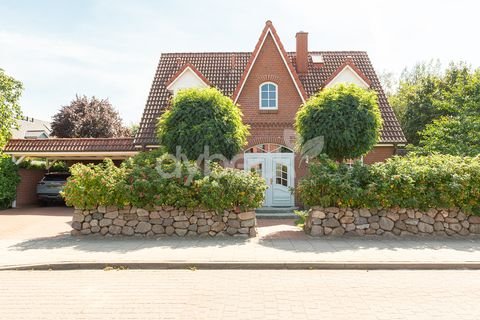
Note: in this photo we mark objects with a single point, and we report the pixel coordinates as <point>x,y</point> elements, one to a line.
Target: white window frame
<point>260,96</point>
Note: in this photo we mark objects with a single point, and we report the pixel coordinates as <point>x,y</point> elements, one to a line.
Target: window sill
<point>268,111</point>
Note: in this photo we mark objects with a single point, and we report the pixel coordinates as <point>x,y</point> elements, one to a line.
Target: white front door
<point>278,171</point>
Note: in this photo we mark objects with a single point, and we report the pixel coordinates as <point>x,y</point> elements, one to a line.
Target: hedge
<point>154,179</point>
<point>437,181</point>
<point>9,180</point>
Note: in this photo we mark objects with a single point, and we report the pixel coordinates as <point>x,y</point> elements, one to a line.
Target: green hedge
<point>439,181</point>
<point>9,180</point>
<point>139,182</point>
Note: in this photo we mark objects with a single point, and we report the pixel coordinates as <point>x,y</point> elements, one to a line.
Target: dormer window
<point>268,96</point>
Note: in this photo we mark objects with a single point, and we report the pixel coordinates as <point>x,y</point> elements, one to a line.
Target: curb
<point>248,266</point>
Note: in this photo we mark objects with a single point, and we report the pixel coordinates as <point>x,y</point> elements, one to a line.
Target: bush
<point>202,117</point>
<point>231,188</point>
<point>346,116</point>
<point>156,179</point>
<point>9,180</point>
<point>93,185</point>
<point>409,182</point>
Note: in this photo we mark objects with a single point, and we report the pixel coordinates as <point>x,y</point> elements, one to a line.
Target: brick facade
<point>27,188</point>
<point>379,154</point>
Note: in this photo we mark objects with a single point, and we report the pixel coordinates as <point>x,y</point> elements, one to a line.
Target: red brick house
<point>269,84</point>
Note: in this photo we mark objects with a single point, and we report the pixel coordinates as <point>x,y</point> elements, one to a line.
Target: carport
<point>69,150</point>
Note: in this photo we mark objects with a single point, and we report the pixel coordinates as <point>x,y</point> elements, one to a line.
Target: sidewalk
<point>279,245</point>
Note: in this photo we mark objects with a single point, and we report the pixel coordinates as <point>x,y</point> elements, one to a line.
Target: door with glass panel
<point>275,164</point>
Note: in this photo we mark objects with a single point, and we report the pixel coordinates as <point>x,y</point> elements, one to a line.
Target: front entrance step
<point>276,212</point>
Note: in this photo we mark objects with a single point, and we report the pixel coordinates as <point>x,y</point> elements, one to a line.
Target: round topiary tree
<point>199,118</point>
<point>346,116</point>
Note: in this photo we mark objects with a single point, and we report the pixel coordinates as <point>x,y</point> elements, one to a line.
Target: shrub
<point>347,116</point>
<point>409,182</point>
<point>93,185</point>
<point>199,118</point>
<point>228,188</point>
<point>156,179</point>
<point>9,180</point>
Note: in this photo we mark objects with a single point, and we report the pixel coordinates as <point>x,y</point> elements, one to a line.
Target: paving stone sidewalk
<point>278,242</point>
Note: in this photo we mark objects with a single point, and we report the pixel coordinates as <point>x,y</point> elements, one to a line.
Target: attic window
<point>317,59</point>
<point>268,96</point>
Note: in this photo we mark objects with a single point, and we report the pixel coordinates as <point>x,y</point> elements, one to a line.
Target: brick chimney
<point>302,52</point>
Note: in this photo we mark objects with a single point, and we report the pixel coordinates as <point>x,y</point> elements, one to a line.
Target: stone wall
<point>168,221</point>
<point>396,221</point>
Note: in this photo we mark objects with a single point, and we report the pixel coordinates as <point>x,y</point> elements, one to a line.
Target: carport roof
<point>72,148</point>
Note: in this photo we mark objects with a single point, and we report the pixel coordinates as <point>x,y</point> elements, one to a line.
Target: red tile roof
<point>70,145</point>
<point>225,69</point>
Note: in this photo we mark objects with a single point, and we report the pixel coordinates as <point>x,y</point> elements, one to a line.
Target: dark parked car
<point>48,189</point>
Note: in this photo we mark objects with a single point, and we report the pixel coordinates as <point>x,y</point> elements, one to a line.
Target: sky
<point>110,48</point>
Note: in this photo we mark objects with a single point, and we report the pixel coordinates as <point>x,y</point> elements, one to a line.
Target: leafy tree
<point>457,136</point>
<point>9,180</point>
<point>202,117</point>
<point>10,92</point>
<point>88,118</point>
<point>426,94</point>
<point>347,116</point>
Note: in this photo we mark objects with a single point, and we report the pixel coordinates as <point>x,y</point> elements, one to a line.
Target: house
<point>269,84</point>
<point>31,128</point>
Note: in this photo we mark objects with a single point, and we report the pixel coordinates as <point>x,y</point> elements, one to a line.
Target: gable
<point>269,35</point>
<point>269,67</point>
<point>187,77</point>
<point>348,73</point>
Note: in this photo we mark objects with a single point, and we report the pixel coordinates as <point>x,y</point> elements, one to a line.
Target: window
<point>268,96</point>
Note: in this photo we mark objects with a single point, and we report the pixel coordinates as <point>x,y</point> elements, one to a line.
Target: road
<point>239,294</point>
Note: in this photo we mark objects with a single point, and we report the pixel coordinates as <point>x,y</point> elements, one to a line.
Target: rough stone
<point>78,217</point>
<point>246,215</point>
<point>248,223</point>
<point>169,230</point>
<point>77,225</point>
<point>425,227</point>
<point>386,224</point>
<point>455,227</point>
<point>119,222</point>
<point>181,232</point>
<point>338,231</point>
<point>347,220</point>
<point>318,214</point>
<point>181,224</point>
<point>331,223</point>
<point>202,229</point>
<point>105,222</point>
<point>142,213</point>
<point>218,226</point>
<point>364,213</point>
<point>412,222</point>
<point>156,228</point>
<point>474,219</point>
<point>474,228</point>
<point>143,227</point>
<point>111,215</point>
<point>114,229</point>
<point>438,226</point>
<point>128,231</point>
<point>316,231</point>
<point>427,219</point>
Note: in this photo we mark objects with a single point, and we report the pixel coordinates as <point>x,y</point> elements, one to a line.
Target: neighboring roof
<point>269,29</point>
<point>28,124</point>
<point>70,145</point>
<point>36,134</point>
<point>224,70</point>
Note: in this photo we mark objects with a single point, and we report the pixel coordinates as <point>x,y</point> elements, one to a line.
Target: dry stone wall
<point>393,221</point>
<point>131,221</point>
